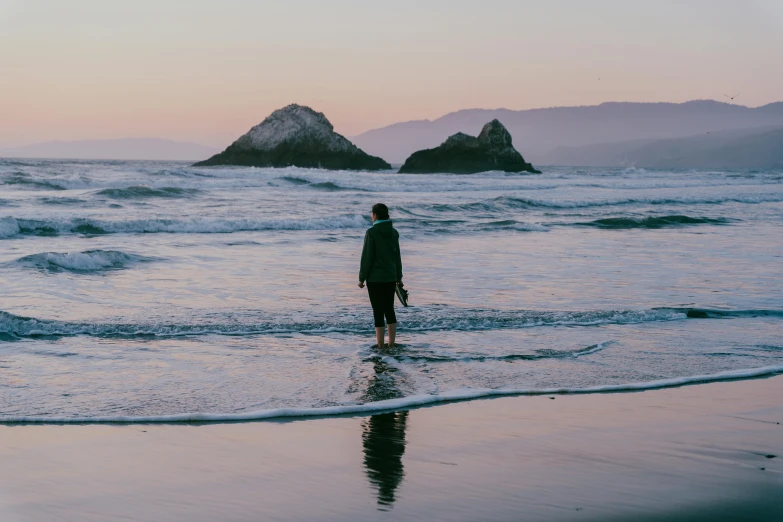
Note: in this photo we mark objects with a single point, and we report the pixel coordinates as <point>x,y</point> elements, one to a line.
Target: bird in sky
<point>731,97</point>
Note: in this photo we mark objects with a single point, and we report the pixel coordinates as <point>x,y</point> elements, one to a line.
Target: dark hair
<point>381,211</point>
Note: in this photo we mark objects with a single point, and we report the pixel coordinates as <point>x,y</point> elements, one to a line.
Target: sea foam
<point>89,261</point>
<point>422,319</point>
<point>10,227</point>
<point>416,319</point>
<point>398,404</point>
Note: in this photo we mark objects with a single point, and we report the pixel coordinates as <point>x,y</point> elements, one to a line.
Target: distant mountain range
<point>119,149</point>
<point>538,132</point>
<point>694,134</point>
<point>735,149</point>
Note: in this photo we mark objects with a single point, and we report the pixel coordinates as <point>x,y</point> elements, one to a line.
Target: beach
<point>703,452</point>
<point>583,344</point>
<point>363,261</point>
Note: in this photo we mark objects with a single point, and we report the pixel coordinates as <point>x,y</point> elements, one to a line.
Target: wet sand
<point>705,452</point>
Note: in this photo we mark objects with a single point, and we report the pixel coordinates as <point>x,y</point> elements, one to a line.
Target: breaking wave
<point>652,222</point>
<point>332,187</point>
<point>414,319</point>
<point>89,261</point>
<point>24,180</point>
<point>62,201</point>
<point>714,313</point>
<point>399,403</point>
<point>431,318</point>
<point>328,186</point>
<point>505,203</point>
<point>294,180</point>
<point>140,191</point>
<point>510,224</point>
<point>10,227</point>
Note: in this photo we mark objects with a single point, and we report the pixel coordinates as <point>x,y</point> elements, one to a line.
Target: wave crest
<point>621,223</point>
<point>10,227</point>
<point>88,261</point>
<point>25,180</point>
<point>433,318</point>
<point>505,203</point>
<point>141,191</point>
<point>414,319</point>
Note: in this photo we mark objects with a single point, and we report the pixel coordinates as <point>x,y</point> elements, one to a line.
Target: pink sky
<point>207,71</point>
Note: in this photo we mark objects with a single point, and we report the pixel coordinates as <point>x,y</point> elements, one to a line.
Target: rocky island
<point>463,154</point>
<point>295,136</point>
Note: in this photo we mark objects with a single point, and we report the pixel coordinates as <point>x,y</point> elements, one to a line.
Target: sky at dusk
<point>206,71</point>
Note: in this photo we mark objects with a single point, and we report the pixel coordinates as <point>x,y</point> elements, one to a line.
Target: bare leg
<point>379,335</point>
<point>392,334</point>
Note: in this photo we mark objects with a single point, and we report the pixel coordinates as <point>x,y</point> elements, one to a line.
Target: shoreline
<point>707,452</point>
<point>400,404</point>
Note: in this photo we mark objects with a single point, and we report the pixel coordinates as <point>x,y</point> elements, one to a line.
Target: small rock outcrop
<point>296,136</point>
<point>463,154</point>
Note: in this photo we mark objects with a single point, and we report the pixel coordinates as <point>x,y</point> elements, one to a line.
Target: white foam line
<point>592,349</point>
<point>398,404</point>
<point>24,327</point>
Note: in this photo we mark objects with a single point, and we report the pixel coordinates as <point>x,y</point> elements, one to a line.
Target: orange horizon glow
<point>91,70</point>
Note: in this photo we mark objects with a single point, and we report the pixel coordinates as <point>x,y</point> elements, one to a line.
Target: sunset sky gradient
<point>206,71</point>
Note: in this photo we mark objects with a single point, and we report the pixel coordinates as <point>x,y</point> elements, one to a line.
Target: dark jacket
<point>381,262</point>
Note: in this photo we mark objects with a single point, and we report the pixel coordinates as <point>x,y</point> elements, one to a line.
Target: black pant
<point>382,301</point>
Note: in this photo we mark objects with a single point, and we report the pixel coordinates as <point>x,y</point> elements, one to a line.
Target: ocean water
<point>157,291</point>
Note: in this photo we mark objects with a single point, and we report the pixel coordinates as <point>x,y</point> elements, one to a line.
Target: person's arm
<point>399,261</point>
<point>368,253</point>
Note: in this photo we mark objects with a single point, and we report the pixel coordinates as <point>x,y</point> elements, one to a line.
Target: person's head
<point>380,211</point>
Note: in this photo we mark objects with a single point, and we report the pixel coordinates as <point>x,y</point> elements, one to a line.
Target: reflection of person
<point>384,445</point>
<point>381,268</point>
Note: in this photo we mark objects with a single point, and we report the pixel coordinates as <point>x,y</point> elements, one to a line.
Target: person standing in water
<point>381,269</point>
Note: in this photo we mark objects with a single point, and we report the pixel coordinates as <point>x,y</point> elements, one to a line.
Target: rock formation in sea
<point>296,136</point>
<point>463,154</point>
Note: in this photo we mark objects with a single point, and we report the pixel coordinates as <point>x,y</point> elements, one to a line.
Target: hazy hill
<point>127,149</point>
<point>537,132</point>
<point>736,149</point>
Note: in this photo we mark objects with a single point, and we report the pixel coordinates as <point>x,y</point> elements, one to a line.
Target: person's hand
<point>361,284</point>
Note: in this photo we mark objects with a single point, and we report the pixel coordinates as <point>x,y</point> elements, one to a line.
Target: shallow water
<point>155,289</point>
